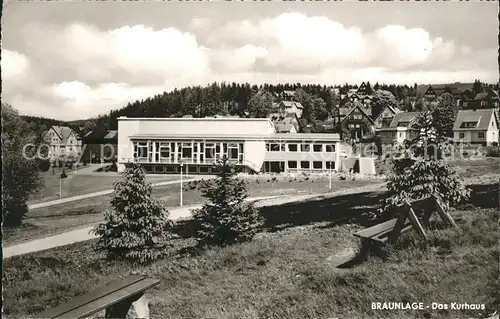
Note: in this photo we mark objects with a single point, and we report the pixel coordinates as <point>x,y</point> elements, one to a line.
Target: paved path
<point>83,234</point>
<point>101,193</point>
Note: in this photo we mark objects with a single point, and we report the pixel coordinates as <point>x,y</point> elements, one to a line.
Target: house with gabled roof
<point>291,107</point>
<point>100,145</point>
<point>357,122</point>
<point>63,143</point>
<point>478,126</point>
<point>385,117</point>
<point>285,122</point>
<point>484,100</point>
<point>400,128</point>
<point>461,91</point>
<point>363,89</point>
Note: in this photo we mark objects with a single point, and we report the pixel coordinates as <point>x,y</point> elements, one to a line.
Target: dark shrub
<point>44,165</point>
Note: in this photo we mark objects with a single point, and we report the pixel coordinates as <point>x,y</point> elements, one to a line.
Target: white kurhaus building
<point>162,144</point>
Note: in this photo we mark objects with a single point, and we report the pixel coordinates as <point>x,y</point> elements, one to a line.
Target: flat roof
<point>189,119</point>
<point>276,136</point>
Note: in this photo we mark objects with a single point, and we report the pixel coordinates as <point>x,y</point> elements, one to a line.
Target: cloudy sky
<point>75,60</point>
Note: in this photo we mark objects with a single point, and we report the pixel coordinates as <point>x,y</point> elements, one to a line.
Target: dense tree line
<point>235,99</point>
<point>243,99</point>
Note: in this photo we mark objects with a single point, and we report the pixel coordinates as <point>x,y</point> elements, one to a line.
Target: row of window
<point>270,166</point>
<point>479,135</point>
<point>304,147</point>
<point>353,126</point>
<point>189,152</point>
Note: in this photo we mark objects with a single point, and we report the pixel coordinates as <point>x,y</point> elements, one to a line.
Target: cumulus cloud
<point>85,70</point>
<point>297,42</point>
<point>14,64</point>
<point>129,51</point>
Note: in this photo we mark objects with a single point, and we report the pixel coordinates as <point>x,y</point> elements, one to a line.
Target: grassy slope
<point>65,217</point>
<point>285,273</point>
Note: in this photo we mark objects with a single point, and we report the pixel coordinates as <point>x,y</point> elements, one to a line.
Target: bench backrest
<point>91,303</point>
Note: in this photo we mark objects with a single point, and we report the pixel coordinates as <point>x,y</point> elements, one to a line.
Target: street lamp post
<point>181,184</point>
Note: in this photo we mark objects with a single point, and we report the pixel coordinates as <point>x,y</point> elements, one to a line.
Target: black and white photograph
<point>250,159</point>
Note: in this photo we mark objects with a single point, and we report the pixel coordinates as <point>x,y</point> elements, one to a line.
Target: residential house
<point>485,100</point>
<point>357,123</point>
<point>461,91</point>
<point>363,89</point>
<point>287,95</point>
<point>285,123</point>
<point>290,107</point>
<point>478,126</point>
<point>400,128</point>
<point>100,146</point>
<point>63,143</point>
<point>357,95</point>
<point>385,117</point>
<point>285,128</point>
<point>184,145</point>
<point>342,112</point>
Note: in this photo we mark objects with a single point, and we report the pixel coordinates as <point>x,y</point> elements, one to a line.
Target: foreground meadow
<point>288,271</point>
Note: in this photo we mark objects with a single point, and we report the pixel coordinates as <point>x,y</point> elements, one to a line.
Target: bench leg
<point>121,309</point>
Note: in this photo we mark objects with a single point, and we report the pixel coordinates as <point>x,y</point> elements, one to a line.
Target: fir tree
<point>226,218</point>
<point>137,227</point>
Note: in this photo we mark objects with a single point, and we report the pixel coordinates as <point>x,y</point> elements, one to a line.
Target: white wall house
<point>63,143</point>
<point>400,128</point>
<point>478,126</point>
<point>291,107</point>
<point>162,144</point>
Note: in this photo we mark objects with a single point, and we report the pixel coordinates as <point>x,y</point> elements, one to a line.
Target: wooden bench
<point>390,230</point>
<point>380,232</point>
<point>116,297</point>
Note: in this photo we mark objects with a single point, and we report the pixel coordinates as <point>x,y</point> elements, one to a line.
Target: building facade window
<point>317,165</point>
<point>292,164</point>
<point>480,134</point>
<point>305,165</point>
<point>461,135</point>
<point>330,165</point>
<point>187,151</point>
<point>275,147</point>
<point>330,148</point>
<point>141,151</point>
<point>317,148</point>
<point>210,152</point>
<point>305,147</point>
<point>292,147</point>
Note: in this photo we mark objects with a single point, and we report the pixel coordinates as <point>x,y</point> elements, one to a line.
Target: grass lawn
<point>76,184</point>
<point>54,220</point>
<point>69,216</point>
<point>287,271</point>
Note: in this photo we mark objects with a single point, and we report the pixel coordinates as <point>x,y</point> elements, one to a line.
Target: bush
<point>44,165</point>
<point>225,218</point>
<point>137,228</point>
<point>422,171</point>
<point>414,179</point>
